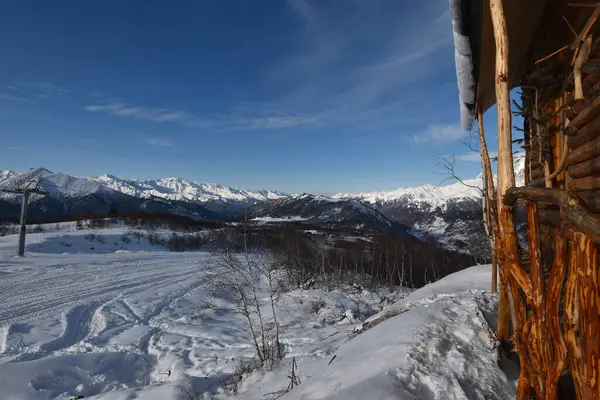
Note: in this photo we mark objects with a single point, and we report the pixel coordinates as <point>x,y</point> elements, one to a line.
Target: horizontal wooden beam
<point>584,152</point>
<point>544,195</point>
<point>585,183</point>
<point>575,215</point>
<point>584,134</point>
<point>589,113</point>
<point>572,211</point>
<point>586,168</point>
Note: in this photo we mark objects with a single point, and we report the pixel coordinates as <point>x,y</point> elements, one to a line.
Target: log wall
<point>555,294</point>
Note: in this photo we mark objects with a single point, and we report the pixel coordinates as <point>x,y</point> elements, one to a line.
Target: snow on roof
<point>464,60</point>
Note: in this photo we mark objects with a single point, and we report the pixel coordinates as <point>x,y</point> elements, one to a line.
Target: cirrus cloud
<point>439,134</point>
<point>264,118</point>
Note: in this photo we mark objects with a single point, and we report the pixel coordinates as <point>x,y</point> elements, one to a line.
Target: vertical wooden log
<point>504,313</point>
<point>588,293</point>
<point>537,338</point>
<point>506,174</point>
<point>558,361</point>
<point>488,197</point>
<point>515,281</point>
<point>535,259</point>
<point>572,322</point>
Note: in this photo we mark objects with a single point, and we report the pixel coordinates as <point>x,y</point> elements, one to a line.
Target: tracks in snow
<point>80,291</point>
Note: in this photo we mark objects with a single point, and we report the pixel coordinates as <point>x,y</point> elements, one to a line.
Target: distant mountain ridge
<point>187,190</point>
<point>70,197</point>
<point>322,212</point>
<point>178,189</point>
<point>449,214</point>
<point>433,196</point>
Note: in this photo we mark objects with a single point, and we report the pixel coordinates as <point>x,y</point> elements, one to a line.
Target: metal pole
<point>23,228</point>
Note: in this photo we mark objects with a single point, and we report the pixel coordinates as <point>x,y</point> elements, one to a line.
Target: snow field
<point>131,322</point>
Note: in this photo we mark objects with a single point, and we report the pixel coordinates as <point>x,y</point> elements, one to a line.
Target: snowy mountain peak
<point>436,196</point>
<point>173,188</point>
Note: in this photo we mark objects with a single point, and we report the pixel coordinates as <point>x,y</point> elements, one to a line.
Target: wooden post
<point>489,203</point>
<point>506,174</point>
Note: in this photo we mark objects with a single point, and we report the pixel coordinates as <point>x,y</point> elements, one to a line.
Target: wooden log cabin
<point>549,301</point>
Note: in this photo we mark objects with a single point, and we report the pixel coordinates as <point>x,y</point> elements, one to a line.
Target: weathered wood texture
<point>550,291</point>
<point>506,173</point>
<point>554,300</point>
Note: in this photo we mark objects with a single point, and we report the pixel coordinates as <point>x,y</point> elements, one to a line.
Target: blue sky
<point>320,96</point>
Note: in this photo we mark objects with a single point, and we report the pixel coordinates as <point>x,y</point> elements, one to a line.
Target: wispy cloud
<point>46,89</point>
<point>303,9</point>
<point>161,143</point>
<point>242,119</point>
<point>11,97</point>
<point>473,157</point>
<point>29,92</point>
<point>439,134</point>
<point>354,66</point>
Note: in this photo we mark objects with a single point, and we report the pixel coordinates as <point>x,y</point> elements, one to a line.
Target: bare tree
<point>244,277</point>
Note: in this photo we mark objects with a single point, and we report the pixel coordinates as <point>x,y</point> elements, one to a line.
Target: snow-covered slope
<point>4,175</point>
<point>439,347</point>
<point>137,322</point>
<point>181,189</point>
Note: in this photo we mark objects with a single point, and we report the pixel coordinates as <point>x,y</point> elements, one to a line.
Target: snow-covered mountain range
<point>431,196</point>
<point>186,190</point>
<point>166,188</point>
<point>449,214</point>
